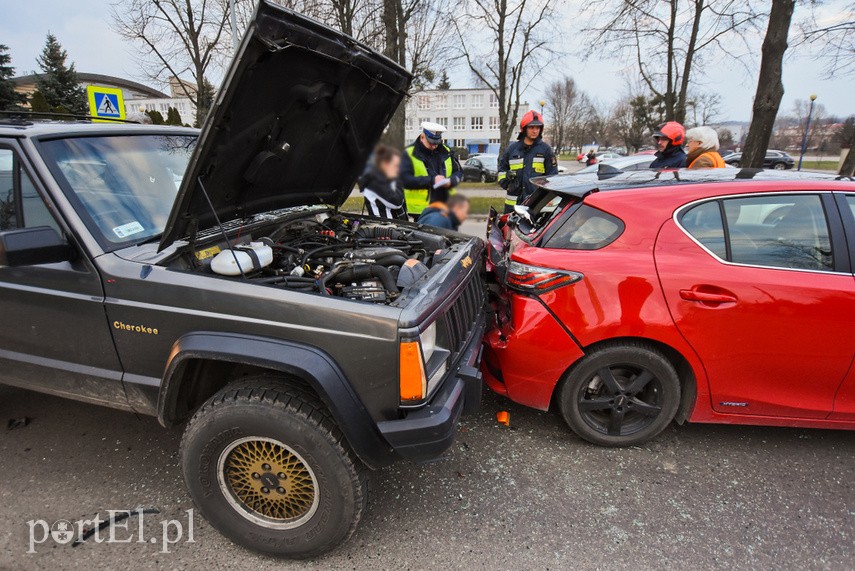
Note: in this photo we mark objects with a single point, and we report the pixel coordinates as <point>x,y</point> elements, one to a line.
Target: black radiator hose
<point>361,272</point>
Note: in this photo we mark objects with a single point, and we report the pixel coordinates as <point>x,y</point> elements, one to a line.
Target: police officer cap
<point>433,132</point>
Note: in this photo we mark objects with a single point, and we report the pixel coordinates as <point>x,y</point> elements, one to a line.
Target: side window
<point>21,206</point>
<point>704,223</point>
<point>586,229</point>
<point>8,204</point>
<point>782,231</point>
<point>851,201</point>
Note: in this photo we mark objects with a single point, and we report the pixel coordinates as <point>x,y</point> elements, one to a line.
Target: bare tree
<point>512,48</point>
<point>770,87</point>
<point>835,38</point>
<point>703,108</point>
<point>177,37</point>
<point>668,38</point>
<point>563,99</point>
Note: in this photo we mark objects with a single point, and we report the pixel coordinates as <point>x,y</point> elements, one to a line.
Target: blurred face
<point>392,167</point>
<point>661,143</point>
<point>461,211</point>
<point>532,132</point>
<point>426,142</point>
<point>693,145</point>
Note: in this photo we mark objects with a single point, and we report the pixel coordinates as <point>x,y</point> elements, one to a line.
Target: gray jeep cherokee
<point>208,277</point>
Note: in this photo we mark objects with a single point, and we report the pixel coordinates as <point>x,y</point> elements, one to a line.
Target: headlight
<point>428,341</point>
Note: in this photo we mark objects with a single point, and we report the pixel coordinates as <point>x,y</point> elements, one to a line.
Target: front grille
<point>463,314</point>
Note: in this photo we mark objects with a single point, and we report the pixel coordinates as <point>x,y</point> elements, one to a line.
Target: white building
<point>178,99</point>
<point>470,115</point>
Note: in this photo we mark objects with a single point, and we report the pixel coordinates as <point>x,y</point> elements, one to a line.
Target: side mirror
<point>33,246</point>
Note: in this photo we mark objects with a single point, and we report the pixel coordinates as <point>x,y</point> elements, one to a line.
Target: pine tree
<point>38,103</point>
<point>443,81</point>
<point>9,98</point>
<point>173,117</point>
<point>59,84</point>
<point>156,117</point>
<point>204,101</point>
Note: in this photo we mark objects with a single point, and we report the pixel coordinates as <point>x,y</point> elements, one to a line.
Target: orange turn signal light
<point>412,372</point>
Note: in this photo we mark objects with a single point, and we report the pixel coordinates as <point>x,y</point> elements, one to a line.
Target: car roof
<point>581,185</point>
<point>9,128</point>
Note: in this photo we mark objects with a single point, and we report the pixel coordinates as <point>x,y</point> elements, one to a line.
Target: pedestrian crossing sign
<point>106,102</point>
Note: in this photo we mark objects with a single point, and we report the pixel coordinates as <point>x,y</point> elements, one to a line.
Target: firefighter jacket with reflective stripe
<point>419,167</point>
<point>525,162</point>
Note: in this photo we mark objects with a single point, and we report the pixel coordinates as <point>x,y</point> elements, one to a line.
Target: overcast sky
<point>82,27</point>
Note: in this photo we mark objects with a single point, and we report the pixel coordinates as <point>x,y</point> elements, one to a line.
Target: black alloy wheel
<point>620,395</point>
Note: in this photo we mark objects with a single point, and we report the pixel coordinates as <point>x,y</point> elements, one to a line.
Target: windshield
<point>489,161</point>
<point>126,184</point>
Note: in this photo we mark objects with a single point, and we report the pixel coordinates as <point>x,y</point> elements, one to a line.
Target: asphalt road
<point>532,496</point>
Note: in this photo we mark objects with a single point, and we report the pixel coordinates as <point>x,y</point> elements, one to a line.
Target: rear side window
<point>781,231</point>
<point>586,229</point>
<point>704,223</point>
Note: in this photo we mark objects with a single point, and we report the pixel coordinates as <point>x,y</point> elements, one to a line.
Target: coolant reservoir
<point>252,257</point>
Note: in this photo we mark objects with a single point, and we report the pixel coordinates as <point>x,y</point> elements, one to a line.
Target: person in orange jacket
<point>703,145</point>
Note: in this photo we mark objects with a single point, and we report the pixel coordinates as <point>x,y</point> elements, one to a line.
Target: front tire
<point>620,395</point>
<point>268,468</point>
<point>483,177</point>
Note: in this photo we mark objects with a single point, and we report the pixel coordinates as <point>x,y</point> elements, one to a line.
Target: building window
<point>459,123</point>
<point>441,102</point>
<point>460,101</point>
<point>494,101</point>
<point>494,141</point>
<point>442,121</point>
<point>477,123</point>
<point>423,120</point>
<point>423,101</point>
<point>477,101</point>
<point>494,123</point>
<point>409,124</point>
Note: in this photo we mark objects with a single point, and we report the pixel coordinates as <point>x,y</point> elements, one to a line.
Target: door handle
<point>706,297</point>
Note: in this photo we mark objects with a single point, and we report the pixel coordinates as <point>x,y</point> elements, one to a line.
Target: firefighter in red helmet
<point>669,139</point>
<point>524,159</point>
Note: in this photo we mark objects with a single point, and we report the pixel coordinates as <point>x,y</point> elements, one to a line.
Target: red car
<point>720,296</point>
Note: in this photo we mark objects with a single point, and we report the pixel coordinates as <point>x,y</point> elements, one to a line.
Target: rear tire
<point>620,395</point>
<point>779,166</point>
<point>268,468</point>
<point>483,177</point>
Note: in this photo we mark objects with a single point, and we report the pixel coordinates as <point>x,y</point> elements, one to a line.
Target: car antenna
<point>220,226</point>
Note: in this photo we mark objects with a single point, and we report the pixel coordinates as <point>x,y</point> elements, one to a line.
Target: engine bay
<point>330,254</point>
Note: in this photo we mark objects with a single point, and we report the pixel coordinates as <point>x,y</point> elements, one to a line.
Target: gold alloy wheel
<point>268,482</point>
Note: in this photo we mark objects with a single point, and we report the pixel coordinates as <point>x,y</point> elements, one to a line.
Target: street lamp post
<point>542,103</point>
<point>807,129</point>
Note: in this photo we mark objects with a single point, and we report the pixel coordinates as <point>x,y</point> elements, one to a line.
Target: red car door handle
<point>694,295</point>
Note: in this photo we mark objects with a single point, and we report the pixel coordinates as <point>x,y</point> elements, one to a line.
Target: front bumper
<point>426,433</point>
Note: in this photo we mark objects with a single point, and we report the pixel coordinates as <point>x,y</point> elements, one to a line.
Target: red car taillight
<point>528,278</point>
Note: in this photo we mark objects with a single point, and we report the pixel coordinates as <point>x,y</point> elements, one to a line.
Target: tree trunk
<point>394,36</point>
<point>669,91</point>
<point>848,166</point>
<point>680,111</point>
<point>770,87</point>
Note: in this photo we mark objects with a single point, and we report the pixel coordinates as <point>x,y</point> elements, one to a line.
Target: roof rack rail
<point>49,115</point>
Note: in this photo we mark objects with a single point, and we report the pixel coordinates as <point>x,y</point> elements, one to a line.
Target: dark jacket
<point>438,214</point>
<point>417,185</point>
<point>383,197</point>
<point>519,164</point>
<point>673,157</point>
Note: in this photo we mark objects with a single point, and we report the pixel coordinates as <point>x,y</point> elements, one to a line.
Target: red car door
<point>752,283</point>
<point>844,403</point>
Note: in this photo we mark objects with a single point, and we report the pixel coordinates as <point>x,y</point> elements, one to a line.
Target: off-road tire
<point>257,412</point>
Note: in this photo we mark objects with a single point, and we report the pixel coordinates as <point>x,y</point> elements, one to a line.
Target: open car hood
<point>293,124</point>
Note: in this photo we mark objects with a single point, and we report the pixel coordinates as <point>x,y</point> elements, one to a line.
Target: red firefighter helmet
<point>531,119</point>
<point>672,131</point>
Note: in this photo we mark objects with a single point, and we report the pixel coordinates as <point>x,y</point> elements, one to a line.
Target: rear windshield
<point>123,186</point>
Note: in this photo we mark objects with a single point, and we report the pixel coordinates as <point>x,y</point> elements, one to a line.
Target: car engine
<point>334,255</point>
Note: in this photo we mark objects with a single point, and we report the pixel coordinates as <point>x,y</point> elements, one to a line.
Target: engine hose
<point>390,260</point>
<point>361,272</point>
<point>294,279</point>
<point>313,253</point>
